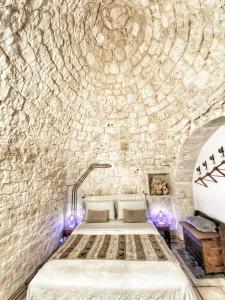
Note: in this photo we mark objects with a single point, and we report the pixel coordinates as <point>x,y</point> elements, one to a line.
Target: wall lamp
<point>79,182</point>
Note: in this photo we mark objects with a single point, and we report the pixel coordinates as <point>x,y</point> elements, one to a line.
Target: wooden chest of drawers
<point>205,247</point>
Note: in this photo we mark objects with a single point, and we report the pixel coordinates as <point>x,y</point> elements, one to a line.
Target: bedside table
<point>165,229</point>
<point>68,230</point>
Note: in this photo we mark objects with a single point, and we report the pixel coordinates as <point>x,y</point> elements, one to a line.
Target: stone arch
<point>187,157</point>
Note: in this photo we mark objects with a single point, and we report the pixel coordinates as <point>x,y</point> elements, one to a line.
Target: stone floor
<point>206,289</point>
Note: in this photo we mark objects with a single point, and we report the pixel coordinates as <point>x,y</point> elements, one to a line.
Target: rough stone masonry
<point>83,81</point>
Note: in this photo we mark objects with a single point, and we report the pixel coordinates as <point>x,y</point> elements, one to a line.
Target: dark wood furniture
<point>164,229</point>
<point>68,230</point>
<point>206,247</point>
<point>222,237</point>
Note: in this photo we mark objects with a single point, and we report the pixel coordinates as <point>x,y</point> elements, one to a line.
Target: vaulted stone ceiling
<point>141,70</point>
<point>121,82</point>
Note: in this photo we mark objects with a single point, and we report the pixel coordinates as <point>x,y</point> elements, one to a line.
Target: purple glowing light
<point>72,221</point>
<point>162,218</point>
<point>159,217</point>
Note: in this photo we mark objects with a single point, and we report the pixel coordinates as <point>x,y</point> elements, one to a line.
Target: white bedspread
<point>111,280</point>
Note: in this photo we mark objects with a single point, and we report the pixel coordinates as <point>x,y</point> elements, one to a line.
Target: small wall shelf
<point>164,176</point>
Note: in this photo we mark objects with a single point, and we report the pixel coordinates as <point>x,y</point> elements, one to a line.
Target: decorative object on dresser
<point>206,247</point>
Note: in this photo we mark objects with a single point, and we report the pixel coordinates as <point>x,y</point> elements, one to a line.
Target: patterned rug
<point>194,266</point>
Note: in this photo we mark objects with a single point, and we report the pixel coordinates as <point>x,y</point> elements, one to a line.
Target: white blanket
<point>111,280</point>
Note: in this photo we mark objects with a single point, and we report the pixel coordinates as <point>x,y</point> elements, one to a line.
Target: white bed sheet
<point>111,279</point>
<point>116,227</point>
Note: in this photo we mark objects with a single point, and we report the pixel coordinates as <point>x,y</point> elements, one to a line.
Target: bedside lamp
<point>71,221</point>
<point>161,218</point>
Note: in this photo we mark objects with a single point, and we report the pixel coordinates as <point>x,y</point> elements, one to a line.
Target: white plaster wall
<point>211,200</point>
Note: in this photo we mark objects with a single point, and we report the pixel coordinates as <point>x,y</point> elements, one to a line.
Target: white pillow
<point>129,204</point>
<point>101,205</point>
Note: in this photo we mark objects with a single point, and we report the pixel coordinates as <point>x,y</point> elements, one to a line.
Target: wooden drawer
<point>213,259</point>
<point>212,244</point>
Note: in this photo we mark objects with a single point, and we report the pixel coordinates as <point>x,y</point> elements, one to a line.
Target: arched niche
<point>187,157</point>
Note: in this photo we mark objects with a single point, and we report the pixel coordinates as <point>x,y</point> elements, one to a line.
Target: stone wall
<point>121,82</point>
<point>31,210</point>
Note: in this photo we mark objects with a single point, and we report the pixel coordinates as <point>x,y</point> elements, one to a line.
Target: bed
<point>98,261</point>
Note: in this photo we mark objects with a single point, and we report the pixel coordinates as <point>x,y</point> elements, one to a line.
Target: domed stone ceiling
<point>114,38</point>
<point>110,58</point>
<point>120,82</point>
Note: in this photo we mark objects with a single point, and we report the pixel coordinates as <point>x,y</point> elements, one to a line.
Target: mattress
<point>111,279</point>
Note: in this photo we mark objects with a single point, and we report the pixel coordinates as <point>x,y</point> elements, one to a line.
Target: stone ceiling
<point>83,74</point>
<point>122,82</point>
